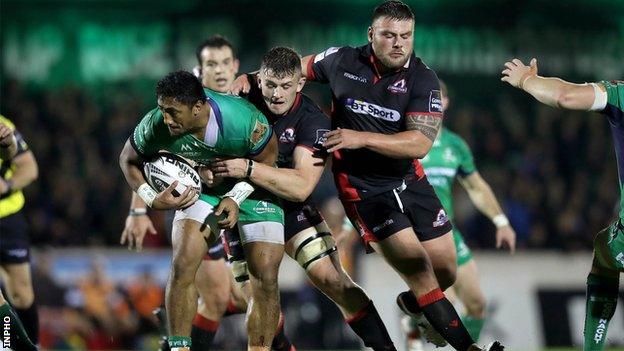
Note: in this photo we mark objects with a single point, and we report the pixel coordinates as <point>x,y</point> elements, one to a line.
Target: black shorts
<point>298,218</point>
<point>232,245</point>
<point>14,239</point>
<point>413,205</point>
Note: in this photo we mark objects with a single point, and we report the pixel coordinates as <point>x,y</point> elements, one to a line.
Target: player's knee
<point>264,281</point>
<point>183,270</point>
<point>215,299</point>
<point>475,305</point>
<point>22,295</point>
<point>413,266</point>
<point>446,276</point>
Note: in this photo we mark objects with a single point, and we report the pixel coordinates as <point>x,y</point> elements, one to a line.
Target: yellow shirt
<point>13,202</point>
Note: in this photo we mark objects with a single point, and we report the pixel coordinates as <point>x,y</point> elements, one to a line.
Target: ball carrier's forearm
<point>403,145</point>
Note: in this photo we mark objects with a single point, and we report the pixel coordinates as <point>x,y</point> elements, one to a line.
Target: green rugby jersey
<point>615,114</point>
<point>235,129</point>
<point>449,156</point>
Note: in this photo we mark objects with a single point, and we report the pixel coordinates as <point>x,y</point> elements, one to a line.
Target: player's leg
<point>263,243</point>
<point>15,261</point>
<point>310,243</point>
<point>470,294</point>
<point>18,338</point>
<point>190,228</point>
<point>603,285</point>
<point>441,251</point>
<point>213,285</point>
<point>20,292</point>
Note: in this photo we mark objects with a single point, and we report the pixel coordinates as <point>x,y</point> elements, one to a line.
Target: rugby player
<point>202,125</point>
<point>386,113</point>
<point>18,168</point>
<point>301,126</point>
<point>217,68</point>
<point>451,158</point>
<point>606,97</point>
<point>16,173</point>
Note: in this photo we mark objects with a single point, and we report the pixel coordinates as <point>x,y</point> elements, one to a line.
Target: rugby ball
<point>167,168</point>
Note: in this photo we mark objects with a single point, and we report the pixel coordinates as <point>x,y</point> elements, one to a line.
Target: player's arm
<point>131,163</point>
<point>413,143</point>
<point>485,201</point>
<point>551,91</point>
<point>26,171</point>
<point>8,142</point>
<point>306,66</point>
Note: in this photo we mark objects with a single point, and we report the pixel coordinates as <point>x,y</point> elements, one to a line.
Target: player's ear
<point>370,34</point>
<point>197,107</point>
<point>300,84</point>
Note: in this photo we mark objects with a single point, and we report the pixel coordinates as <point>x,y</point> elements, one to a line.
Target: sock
<point>18,337</point>
<point>367,324</point>
<point>232,309</point>
<point>203,332</point>
<point>30,321</point>
<point>474,326</point>
<point>444,319</point>
<point>280,341</point>
<point>602,294</point>
<point>177,342</point>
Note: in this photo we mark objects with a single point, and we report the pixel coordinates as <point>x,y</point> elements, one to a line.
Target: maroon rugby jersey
<point>364,100</point>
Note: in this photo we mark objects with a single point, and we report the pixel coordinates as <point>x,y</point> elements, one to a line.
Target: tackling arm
<point>554,92</point>
<point>481,195</point>
<point>26,171</point>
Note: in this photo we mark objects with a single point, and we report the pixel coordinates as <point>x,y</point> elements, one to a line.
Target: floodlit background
<point>77,75</point>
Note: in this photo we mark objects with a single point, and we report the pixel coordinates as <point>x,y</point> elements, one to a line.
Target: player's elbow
<point>421,148</point>
<point>301,194</point>
<point>571,99</point>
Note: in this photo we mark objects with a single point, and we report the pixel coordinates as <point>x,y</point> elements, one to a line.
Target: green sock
<point>474,326</point>
<point>179,341</point>
<point>602,294</point>
<point>17,331</point>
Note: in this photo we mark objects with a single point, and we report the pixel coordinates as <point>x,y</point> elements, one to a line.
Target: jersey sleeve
<point>22,146</point>
<point>148,136</point>
<point>425,95</point>
<point>312,135</point>
<point>320,68</point>
<point>466,159</point>
<point>615,93</point>
<point>259,132</point>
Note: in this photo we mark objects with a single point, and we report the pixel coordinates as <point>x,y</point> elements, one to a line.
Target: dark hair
<point>282,61</point>
<point>182,86</point>
<point>396,10</point>
<point>215,41</point>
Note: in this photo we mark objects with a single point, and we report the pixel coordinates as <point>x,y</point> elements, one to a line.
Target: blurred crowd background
<point>76,76</point>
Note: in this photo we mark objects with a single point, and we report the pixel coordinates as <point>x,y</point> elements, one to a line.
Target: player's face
<point>218,68</point>
<point>280,93</point>
<point>392,40</point>
<point>179,118</point>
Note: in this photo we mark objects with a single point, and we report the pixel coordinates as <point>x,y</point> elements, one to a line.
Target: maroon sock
<point>444,319</point>
<point>203,332</point>
<point>367,324</point>
<point>232,309</point>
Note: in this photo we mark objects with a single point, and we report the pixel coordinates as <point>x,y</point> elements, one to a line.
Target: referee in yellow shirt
<point>18,168</point>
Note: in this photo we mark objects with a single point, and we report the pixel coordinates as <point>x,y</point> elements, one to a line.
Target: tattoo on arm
<point>426,124</point>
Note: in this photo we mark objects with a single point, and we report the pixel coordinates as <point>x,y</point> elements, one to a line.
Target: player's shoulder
<point>227,102</point>
<point>615,92</point>
<point>335,52</point>
<point>418,67</point>
<point>7,121</point>
<point>310,110</point>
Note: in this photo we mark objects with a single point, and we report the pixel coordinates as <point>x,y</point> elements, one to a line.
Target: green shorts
<point>464,255</point>
<point>609,246</point>
<point>260,206</point>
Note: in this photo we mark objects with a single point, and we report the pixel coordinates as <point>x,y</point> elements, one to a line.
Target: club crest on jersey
<point>441,219</point>
<point>258,133</point>
<point>398,87</point>
<point>435,101</point>
<point>288,136</point>
<point>320,137</point>
<point>365,108</point>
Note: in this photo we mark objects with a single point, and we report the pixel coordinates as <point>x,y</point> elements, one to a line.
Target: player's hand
<point>167,201</point>
<point>229,208</point>
<point>208,177</point>
<point>506,237</point>
<point>6,135</point>
<point>343,139</point>
<point>240,85</point>
<point>516,72</point>
<point>233,168</point>
<point>134,232</point>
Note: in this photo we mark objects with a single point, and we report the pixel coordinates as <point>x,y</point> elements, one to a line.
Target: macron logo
<point>365,108</point>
